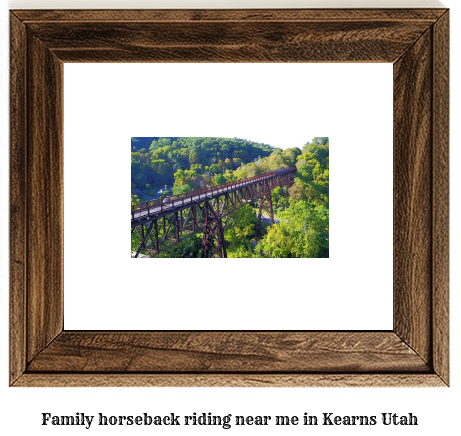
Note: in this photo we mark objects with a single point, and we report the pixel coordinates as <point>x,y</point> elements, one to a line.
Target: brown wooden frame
<point>414,353</point>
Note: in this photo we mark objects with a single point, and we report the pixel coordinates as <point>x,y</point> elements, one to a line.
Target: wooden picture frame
<point>414,353</point>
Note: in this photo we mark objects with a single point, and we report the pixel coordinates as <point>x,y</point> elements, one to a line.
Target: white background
<point>104,107</point>
<point>437,409</point>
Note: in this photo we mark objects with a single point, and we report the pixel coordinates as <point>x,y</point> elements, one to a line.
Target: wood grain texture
<point>45,245</point>
<point>309,41</point>
<point>18,194</point>
<point>413,196</point>
<point>224,351</point>
<point>230,380</point>
<point>440,204</point>
<point>414,354</point>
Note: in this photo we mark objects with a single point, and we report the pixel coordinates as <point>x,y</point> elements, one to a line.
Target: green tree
<point>134,200</point>
<point>214,168</point>
<point>279,200</point>
<point>188,248</point>
<point>181,189</point>
<point>302,232</point>
<point>135,241</point>
<point>219,179</point>
<point>240,230</point>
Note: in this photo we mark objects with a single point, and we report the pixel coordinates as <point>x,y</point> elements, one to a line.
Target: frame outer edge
<point>19,346</point>
<point>204,14</point>
<point>18,195</point>
<point>440,189</point>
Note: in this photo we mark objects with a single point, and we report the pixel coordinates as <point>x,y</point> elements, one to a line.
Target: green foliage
<point>241,225</point>
<point>230,176</point>
<point>312,182</point>
<point>189,248</point>
<point>240,251</point>
<point>289,156</point>
<point>302,232</point>
<point>134,199</point>
<point>279,199</point>
<point>135,241</point>
<point>190,178</point>
<point>181,189</point>
<point>240,231</point>
<point>155,160</point>
<point>219,179</point>
<point>214,168</point>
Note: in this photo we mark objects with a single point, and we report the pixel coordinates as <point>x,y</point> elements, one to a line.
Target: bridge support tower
<point>213,244</point>
<point>265,205</point>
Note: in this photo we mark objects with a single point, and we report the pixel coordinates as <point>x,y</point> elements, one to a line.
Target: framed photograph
<point>415,352</point>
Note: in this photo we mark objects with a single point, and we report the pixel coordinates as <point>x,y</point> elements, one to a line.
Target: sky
<point>281,140</point>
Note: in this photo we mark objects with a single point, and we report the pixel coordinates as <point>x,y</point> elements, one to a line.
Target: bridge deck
<point>158,209</point>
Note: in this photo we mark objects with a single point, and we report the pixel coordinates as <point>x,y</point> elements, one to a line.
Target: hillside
<point>155,160</point>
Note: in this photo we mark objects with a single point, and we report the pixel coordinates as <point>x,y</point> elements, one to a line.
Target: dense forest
<point>185,164</point>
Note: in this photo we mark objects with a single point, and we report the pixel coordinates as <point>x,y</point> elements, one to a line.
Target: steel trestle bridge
<point>161,224</point>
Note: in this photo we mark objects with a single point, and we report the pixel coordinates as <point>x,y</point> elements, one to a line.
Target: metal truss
<point>265,205</point>
<point>163,230</point>
<point>213,244</point>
